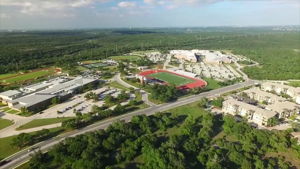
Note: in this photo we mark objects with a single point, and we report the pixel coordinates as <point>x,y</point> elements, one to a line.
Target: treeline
<point>100,113</point>
<point>27,139</point>
<point>164,93</point>
<point>274,50</point>
<point>207,141</point>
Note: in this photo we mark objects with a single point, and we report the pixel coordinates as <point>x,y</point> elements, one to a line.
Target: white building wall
<point>243,112</point>
<point>298,99</point>
<point>257,119</point>
<point>230,109</point>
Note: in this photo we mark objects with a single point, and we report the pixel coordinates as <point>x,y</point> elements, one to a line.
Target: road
<point>119,80</point>
<point>145,98</point>
<point>144,94</point>
<point>23,156</point>
<point>51,112</point>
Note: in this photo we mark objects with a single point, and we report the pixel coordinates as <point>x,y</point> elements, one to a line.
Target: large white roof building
<point>10,95</point>
<point>213,57</point>
<point>39,94</point>
<point>207,56</point>
<point>187,55</point>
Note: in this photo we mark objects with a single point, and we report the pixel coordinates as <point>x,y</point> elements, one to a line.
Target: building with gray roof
<point>38,96</point>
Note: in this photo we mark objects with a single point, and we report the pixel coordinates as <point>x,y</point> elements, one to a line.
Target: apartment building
<point>250,112</point>
<point>293,92</point>
<point>284,109</point>
<point>262,96</point>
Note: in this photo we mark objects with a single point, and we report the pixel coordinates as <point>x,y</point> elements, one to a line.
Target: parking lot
<point>78,103</point>
<point>217,71</point>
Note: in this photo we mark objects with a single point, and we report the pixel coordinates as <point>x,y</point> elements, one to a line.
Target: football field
<point>171,78</point>
<point>21,77</point>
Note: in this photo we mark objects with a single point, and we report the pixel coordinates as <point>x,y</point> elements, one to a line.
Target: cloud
<point>126,4</point>
<point>46,6</point>
<point>154,2</point>
<point>170,4</point>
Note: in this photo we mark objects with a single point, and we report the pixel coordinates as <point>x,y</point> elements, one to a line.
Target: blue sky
<point>68,14</point>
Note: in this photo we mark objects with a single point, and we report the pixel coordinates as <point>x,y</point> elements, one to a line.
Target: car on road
<point>32,149</point>
<point>3,162</point>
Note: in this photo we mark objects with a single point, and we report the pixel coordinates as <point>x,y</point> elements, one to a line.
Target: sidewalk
<point>12,132</point>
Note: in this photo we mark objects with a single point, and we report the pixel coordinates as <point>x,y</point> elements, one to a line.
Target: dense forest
<point>168,141</point>
<point>277,52</point>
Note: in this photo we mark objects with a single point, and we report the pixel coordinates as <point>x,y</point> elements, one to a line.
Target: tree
<point>55,100</point>
<point>95,109</point>
<point>273,122</point>
<point>92,95</point>
<point>197,90</point>
<point>207,141</point>
<point>218,102</point>
<point>121,67</point>
<point>72,123</point>
<point>123,96</point>
<point>203,103</point>
<point>39,161</point>
<point>246,164</point>
<point>24,110</point>
<point>109,99</point>
<point>164,93</point>
<point>119,109</point>
<point>22,140</point>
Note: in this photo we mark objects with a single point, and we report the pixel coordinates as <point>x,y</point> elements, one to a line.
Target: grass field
<point>9,110</point>
<point>211,84</point>
<point>130,58</point>
<point>5,123</point>
<point>5,109</point>
<point>24,166</point>
<point>2,104</point>
<point>143,52</point>
<point>42,122</point>
<point>3,76</point>
<point>171,78</point>
<point>20,77</point>
<point>12,111</point>
<point>90,61</point>
<point>6,149</point>
<point>117,85</point>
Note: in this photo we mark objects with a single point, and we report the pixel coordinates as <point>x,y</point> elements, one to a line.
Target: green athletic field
<point>171,78</point>
<point>19,77</point>
<point>129,57</point>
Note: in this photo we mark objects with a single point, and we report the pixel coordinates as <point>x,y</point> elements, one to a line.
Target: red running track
<point>197,82</point>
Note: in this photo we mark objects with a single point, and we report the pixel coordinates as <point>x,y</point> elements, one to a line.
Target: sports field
<point>129,57</point>
<point>20,77</point>
<point>171,78</point>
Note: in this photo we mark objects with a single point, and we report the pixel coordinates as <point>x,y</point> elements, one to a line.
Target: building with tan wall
<point>293,92</point>
<point>250,112</point>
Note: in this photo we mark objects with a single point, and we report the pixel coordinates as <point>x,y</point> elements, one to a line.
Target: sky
<point>80,14</point>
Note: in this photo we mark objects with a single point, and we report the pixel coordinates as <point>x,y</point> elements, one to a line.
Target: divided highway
<point>23,156</point>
